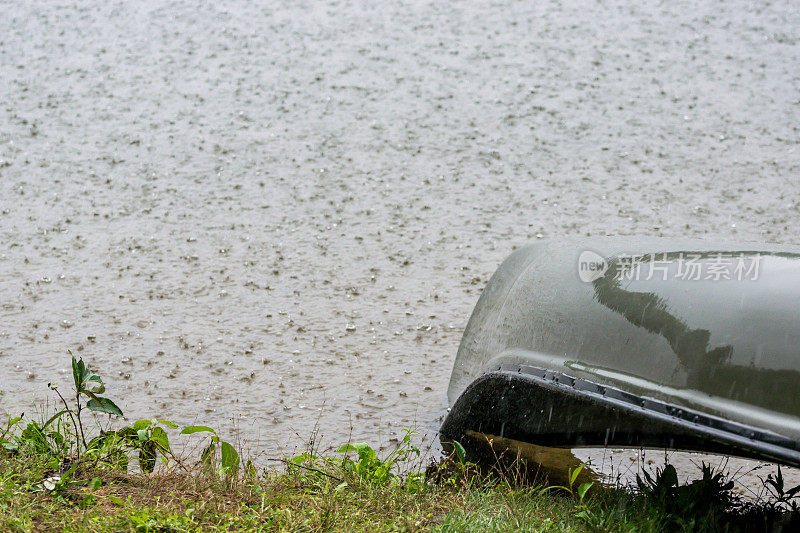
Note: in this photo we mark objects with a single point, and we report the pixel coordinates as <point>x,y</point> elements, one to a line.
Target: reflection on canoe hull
<point>651,343</point>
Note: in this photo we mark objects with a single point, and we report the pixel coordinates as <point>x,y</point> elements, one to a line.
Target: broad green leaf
<point>92,382</point>
<point>169,424</point>
<point>461,453</point>
<point>141,424</point>
<point>142,434</point>
<point>77,372</point>
<point>94,484</point>
<point>229,457</point>
<point>84,377</point>
<point>188,430</point>
<point>302,458</point>
<point>670,476</point>
<point>104,405</point>
<point>365,452</point>
<point>583,488</point>
<point>115,500</point>
<point>161,438</point>
<point>573,475</point>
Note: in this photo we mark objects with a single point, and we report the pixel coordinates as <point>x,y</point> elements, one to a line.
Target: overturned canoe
<point>636,343</point>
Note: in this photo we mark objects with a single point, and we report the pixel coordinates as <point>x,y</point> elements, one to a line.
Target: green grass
<point>333,498</point>
<point>291,499</point>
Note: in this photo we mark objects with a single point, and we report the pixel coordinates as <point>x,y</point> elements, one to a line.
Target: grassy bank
<point>66,471</point>
<point>334,498</point>
<point>290,500</point>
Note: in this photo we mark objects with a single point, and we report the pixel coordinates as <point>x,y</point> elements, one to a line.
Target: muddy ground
<point>282,213</point>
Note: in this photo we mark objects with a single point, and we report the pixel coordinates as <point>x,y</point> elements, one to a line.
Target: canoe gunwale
<point>510,400</point>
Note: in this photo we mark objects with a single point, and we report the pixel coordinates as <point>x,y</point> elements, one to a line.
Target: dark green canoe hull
<point>619,342</point>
